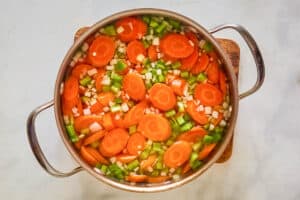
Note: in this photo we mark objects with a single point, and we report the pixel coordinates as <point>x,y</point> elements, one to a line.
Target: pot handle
<point>260,66</point>
<point>35,147</point>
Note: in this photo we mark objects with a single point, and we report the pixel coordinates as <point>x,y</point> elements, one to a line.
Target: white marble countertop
<point>35,35</point>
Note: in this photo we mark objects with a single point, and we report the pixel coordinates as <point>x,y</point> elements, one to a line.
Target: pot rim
<point>233,95</point>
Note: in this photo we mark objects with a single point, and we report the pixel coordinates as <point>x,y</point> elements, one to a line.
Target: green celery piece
<point>132,165</point>
<point>118,100</point>
<point>161,27</point>
<point>116,77</point>
<point>72,133</point>
<point>175,24</point>
<point>169,142</point>
<point>196,164</point>
<point>184,74</point>
<point>208,139</point>
<point>201,77</point>
<point>116,171</point>
<point>208,47</point>
<point>206,126</point>
<point>186,127</point>
<point>110,30</point>
<point>115,108</point>
<point>216,137</point>
<point>180,120</point>
<point>156,147</point>
<point>153,23</point>
<point>170,113</point>
<point>193,157</point>
<point>161,78</point>
<point>186,117</point>
<point>158,165</point>
<point>176,65</point>
<point>146,43</point>
<point>192,80</point>
<point>120,66</point>
<point>85,81</point>
<point>104,168</point>
<point>146,19</point>
<point>219,130</point>
<point>132,129</point>
<point>197,146</point>
<point>105,88</point>
<point>155,173</point>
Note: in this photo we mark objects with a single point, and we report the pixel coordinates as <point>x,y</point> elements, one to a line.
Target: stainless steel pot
<point>235,97</point>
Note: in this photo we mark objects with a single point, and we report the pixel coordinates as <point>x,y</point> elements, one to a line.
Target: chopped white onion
<point>120,29</point>
<point>140,57</point>
<point>92,72</point>
<point>86,111</point>
<point>200,108</point>
<point>207,110</point>
<point>222,123</point>
<point>95,126</point>
<point>124,107</point>
<point>109,67</point>
<point>215,114</point>
<point>106,109</point>
<point>155,41</point>
<point>211,127</point>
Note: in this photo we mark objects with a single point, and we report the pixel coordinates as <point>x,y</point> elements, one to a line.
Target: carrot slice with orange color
<point>186,168</point>
<point>162,96</point>
<point>92,156</point>
<point>136,143</point>
<point>105,97</point>
<point>155,127</point>
<point>85,121</point>
<point>222,82</point>
<point>213,72</point>
<point>177,154</point>
<point>192,36</point>
<point>178,85</point>
<point>80,70</point>
<point>136,178</point>
<point>134,50</point>
<point>152,54</point>
<point>123,158</point>
<point>189,62</point>
<point>71,90</point>
<point>96,108</point>
<point>94,137</point>
<point>201,64</point>
<point>208,94</point>
<point>98,79</point>
<point>101,51</point>
<point>193,135</point>
<point>130,28</point>
<point>157,179</point>
<point>199,117</point>
<point>78,144</point>
<point>107,121</point>
<point>176,45</point>
<point>114,142</point>
<point>134,86</point>
<point>206,151</point>
<point>134,115</point>
<point>149,162</point>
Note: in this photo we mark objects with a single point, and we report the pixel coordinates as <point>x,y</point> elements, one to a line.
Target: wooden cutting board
<point>233,51</point>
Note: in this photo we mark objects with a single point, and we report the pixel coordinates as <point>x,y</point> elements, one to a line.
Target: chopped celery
<point>208,47</point>
<point>206,126</point>
<point>156,147</point>
<point>161,78</point>
<point>161,27</point>
<point>201,77</point>
<point>103,168</point>
<point>217,137</point>
<point>115,77</point>
<point>192,80</point>
<point>72,133</point>
<point>193,157</point>
<point>85,99</point>
<point>146,43</point>
<point>184,74</point>
<point>186,117</point>
<point>146,19</point>
<point>120,66</point>
<point>196,164</point>
<point>132,129</point>
<point>116,87</point>
<point>169,142</point>
<point>219,130</point>
<point>115,108</point>
<point>178,171</point>
<point>186,127</point>
<point>153,23</point>
<point>159,165</point>
<point>170,113</point>
<point>208,139</point>
<point>175,126</point>
<point>118,100</point>
<point>148,85</point>
<point>176,65</point>
<point>85,81</point>
<point>180,120</point>
<point>155,173</point>
<point>105,88</point>
<point>95,144</point>
<point>116,171</point>
<point>175,24</point>
<point>132,165</point>
<point>145,154</point>
<point>197,146</point>
<point>109,30</point>
<point>180,106</point>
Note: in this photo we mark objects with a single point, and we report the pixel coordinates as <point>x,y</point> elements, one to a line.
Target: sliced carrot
<point>176,45</point>
<point>105,97</point>
<point>98,79</point>
<point>162,96</point>
<point>101,51</point>
<point>134,86</point>
<point>186,168</point>
<point>118,121</point>
<point>213,55</point>
<point>131,29</point>
<point>199,117</point>
<point>222,82</point>
<point>78,144</point>
<point>71,90</point>
<point>123,158</point>
<point>136,178</point>
<point>96,108</point>
<point>193,37</point>
<point>135,49</point>
<point>83,122</point>
<point>114,142</point>
<point>94,137</point>
<point>155,127</point>
<point>80,70</point>
<point>108,122</point>
<point>167,58</point>
<point>201,64</point>
<point>177,154</point>
<point>67,107</point>
<point>189,62</point>
<point>206,151</point>
<point>208,94</point>
<point>213,72</point>
<point>170,78</point>
<point>136,143</point>
<point>133,116</point>
<point>178,85</point>
<point>92,156</point>
<point>215,122</point>
<point>157,179</point>
<point>149,162</point>
<point>152,54</point>
<point>79,106</point>
<point>193,135</point>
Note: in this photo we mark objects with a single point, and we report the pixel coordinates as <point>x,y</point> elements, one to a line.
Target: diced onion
<point>120,29</point>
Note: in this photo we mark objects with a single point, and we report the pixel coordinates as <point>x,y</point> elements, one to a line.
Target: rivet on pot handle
<point>260,66</point>
<point>36,149</point>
